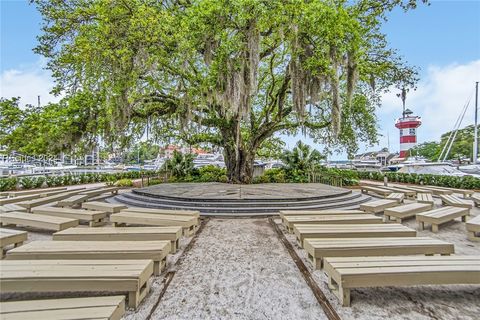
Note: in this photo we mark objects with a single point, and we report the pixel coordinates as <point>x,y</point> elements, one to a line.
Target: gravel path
<point>249,276</point>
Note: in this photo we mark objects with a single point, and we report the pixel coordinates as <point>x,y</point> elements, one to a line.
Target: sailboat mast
<point>475,138</point>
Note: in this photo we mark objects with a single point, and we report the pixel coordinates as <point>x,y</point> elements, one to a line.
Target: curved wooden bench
<point>405,211</point>
<point>289,221</point>
<point>438,216</point>
<point>377,190</point>
<point>109,307</point>
<point>305,231</point>
<point>283,213</point>
<point>318,249</point>
<point>94,218</point>
<point>473,229</point>
<point>193,213</point>
<point>455,201</point>
<point>171,234</point>
<point>73,200</point>
<point>103,206</point>
<point>378,205</point>
<point>41,276</point>
<point>189,224</point>
<point>37,221</point>
<point>98,191</point>
<point>91,250</point>
<point>49,199</point>
<point>11,237</point>
<point>407,192</point>
<point>349,273</point>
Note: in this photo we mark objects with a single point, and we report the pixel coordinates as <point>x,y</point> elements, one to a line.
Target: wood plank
<point>11,237</point>
<point>155,250</point>
<point>304,231</point>
<point>171,234</point>
<point>31,191</point>
<point>103,206</point>
<point>109,307</point>
<point>37,221</point>
<point>439,216</point>
<point>194,213</point>
<point>12,207</point>
<point>77,276</point>
<point>94,218</point>
<point>49,199</point>
<point>318,248</point>
<point>378,205</point>
<point>289,221</point>
<point>405,211</point>
<point>5,201</point>
<point>73,200</point>
<point>473,229</point>
<point>454,201</point>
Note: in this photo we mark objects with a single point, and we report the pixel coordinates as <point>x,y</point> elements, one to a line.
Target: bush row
<point>465,182</point>
<point>13,183</point>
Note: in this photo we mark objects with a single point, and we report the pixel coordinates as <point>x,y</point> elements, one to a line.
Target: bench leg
<point>173,246</point>
<point>98,223</point>
<point>398,220</point>
<point>344,296</point>
<point>434,228</point>
<point>316,262</point>
<point>421,225</point>
<point>18,244</point>
<point>464,218</point>
<point>135,297</point>
<point>299,242</point>
<point>472,236</point>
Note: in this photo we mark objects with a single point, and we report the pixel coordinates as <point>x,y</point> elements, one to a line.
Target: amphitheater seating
<point>438,216</point>
<point>305,231</point>
<point>345,274</point>
<point>378,205</point>
<point>454,201</point>
<point>5,201</point>
<point>171,234</point>
<point>11,237</point>
<point>473,229</point>
<point>397,196</point>
<point>408,193</point>
<point>106,276</point>
<point>189,224</point>
<point>37,221</point>
<point>103,206</point>
<point>12,207</point>
<point>45,191</point>
<point>109,307</point>
<point>318,249</point>
<point>465,192</point>
<point>94,218</point>
<point>284,213</point>
<point>48,200</point>
<point>91,250</point>
<point>435,190</point>
<point>289,221</point>
<point>405,211</point>
<point>99,191</point>
<point>377,190</point>
<point>425,198</point>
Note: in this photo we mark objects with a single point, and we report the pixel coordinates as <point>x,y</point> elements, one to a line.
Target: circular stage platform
<point>229,199</point>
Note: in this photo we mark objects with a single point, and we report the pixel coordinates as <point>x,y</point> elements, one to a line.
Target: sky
<point>441,39</point>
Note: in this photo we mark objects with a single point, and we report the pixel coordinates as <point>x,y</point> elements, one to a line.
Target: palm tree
<point>302,158</point>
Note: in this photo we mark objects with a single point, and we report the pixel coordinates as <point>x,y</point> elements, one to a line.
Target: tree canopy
<point>228,73</point>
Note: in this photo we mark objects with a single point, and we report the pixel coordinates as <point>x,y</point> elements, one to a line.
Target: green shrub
<point>124,183</point>
<point>7,184</point>
<point>31,182</point>
<point>211,173</point>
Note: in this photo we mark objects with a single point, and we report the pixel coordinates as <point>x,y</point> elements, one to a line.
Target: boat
<point>409,161</point>
<point>366,165</point>
<point>436,168</point>
<point>206,159</point>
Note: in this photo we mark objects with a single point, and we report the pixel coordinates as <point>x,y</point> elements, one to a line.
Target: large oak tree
<point>228,73</point>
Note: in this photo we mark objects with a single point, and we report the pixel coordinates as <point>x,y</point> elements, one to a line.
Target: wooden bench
<point>397,196</point>
<point>32,191</point>
<point>476,199</point>
<point>12,207</point>
<point>171,234</point>
<point>188,224</point>
<point>377,190</point>
<point>92,250</point>
<point>37,221</point>
<point>98,191</point>
<point>103,206</point>
<point>94,218</point>
<point>5,201</point>
<point>473,229</point>
<point>284,213</point>
<point>436,191</point>
<point>73,200</point>
<point>289,221</point>
<point>349,273</point>
<point>411,188</point>
<point>405,211</point>
<point>318,249</point>
<point>425,198</point>
<point>46,200</point>
<point>378,206</point>
<point>438,216</point>
<point>307,231</point>
<point>41,276</point>
<point>408,193</point>
<point>193,213</point>
<point>109,307</point>
<point>465,192</point>
<point>455,201</point>
<point>11,237</point>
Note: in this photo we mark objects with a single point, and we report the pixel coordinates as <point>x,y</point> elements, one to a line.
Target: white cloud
<point>28,82</point>
<point>439,99</point>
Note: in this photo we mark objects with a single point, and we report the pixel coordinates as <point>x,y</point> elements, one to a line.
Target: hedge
<point>13,183</point>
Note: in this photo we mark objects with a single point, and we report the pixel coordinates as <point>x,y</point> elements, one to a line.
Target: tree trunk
<point>239,170</point>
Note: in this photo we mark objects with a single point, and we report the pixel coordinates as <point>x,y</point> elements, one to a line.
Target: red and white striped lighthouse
<point>407,125</point>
